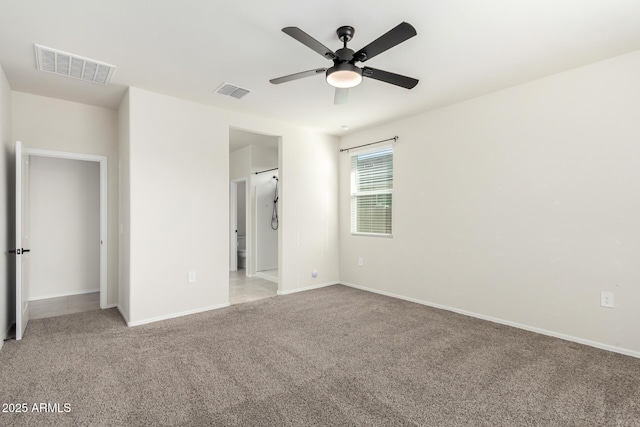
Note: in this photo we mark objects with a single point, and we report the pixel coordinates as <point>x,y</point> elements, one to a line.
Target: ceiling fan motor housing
<point>344,55</point>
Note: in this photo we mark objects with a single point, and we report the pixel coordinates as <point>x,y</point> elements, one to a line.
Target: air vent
<point>232,90</point>
<point>74,66</point>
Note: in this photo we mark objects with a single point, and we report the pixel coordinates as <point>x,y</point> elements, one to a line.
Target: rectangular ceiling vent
<point>232,90</point>
<point>74,66</point>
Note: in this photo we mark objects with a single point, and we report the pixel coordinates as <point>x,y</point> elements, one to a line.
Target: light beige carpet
<point>332,356</point>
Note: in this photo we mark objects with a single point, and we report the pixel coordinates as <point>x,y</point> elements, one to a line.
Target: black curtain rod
<point>268,170</point>
<point>395,138</point>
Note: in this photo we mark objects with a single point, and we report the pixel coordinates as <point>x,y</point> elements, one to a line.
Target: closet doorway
<point>61,217</point>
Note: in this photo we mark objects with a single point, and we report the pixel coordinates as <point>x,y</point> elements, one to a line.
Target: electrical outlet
<point>360,262</point>
<point>192,277</point>
<point>606,299</point>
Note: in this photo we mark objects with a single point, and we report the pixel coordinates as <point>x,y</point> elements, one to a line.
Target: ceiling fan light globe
<point>344,76</point>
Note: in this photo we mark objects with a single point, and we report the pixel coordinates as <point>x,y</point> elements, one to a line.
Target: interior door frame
<point>104,241</point>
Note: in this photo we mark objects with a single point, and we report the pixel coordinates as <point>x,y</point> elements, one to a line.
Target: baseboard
<point>261,275</point>
<point>65,294</point>
<point>110,306</point>
<point>565,337</point>
<point>308,288</point>
<point>173,315</point>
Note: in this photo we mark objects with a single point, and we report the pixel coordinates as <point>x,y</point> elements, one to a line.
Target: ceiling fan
<point>345,74</point>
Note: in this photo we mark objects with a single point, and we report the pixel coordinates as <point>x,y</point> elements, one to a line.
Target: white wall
<point>521,205</point>
<point>65,227</point>
<point>124,205</point>
<point>240,163</point>
<point>6,208</point>
<point>263,241</point>
<point>179,184</point>
<point>266,238</point>
<point>53,124</point>
<point>179,211</point>
<point>263,158</point>
<point>308,211</point>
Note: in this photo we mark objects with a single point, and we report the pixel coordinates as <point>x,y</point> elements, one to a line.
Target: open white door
<point>22,241</point>
<point>233,226</point>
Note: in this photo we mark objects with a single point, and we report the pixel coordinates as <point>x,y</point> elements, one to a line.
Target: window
<point>371,192</point>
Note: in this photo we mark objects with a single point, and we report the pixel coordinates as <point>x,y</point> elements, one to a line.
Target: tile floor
<point>51,307</point>
<point>245,289</point>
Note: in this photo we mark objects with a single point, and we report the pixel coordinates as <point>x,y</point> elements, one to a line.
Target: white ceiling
<point>187,48</point>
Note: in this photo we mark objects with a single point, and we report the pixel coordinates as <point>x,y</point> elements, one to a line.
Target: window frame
<point>352,193</point>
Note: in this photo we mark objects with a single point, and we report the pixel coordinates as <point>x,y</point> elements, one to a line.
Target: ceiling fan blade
<point>297,76</point>
<point>341,96</point>
<point>387,77</point>
<point>309,41</point>
<point>393,37</point>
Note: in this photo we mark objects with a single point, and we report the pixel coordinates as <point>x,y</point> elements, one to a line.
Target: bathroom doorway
<point>254,223</point>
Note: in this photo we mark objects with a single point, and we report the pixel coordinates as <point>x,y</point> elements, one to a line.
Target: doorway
<point>254,160</point>
<point>63,246</point>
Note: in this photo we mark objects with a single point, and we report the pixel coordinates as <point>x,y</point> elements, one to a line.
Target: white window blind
<point>371,192</point>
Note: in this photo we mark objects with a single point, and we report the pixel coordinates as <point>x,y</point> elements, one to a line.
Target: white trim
<point>63,155</point>
<point>18,241</point>
<point>308,288</point>
<point>124,316</point>
<point>111,305</point>
<point>65,294</point>
<point>104,234</point>
<point>267,277</point>
<point>103,206</point>
<point>565,337</point>
<point>173,315</point>
<point>386,236</point>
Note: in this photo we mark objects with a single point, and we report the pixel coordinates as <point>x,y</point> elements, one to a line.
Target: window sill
<point>385,236</point>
